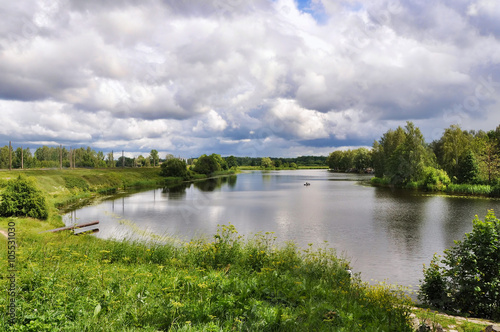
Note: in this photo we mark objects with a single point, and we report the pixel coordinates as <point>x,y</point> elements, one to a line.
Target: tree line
<point>402,157</point>
<point>54,157</point>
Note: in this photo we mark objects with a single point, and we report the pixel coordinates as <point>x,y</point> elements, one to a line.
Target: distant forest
<point>55,157</point>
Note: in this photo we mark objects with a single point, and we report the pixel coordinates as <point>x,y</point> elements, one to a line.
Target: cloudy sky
<point>244,77</point>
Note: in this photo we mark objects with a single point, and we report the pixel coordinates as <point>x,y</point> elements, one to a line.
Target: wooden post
<point>10,156</point>
<point>71,227</point>
<point>60,156</point>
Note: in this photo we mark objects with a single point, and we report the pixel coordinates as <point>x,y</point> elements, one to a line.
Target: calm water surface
<point>386,234</point>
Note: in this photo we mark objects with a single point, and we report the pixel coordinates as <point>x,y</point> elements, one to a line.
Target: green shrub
<point>380,181</point>
<point>467,279</point>
<point>21,197</point>
<point>174,168</point>
<point>435,179</point>
<point>207,165</point>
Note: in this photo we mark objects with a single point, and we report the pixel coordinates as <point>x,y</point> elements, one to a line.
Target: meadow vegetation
<point>81,283</point>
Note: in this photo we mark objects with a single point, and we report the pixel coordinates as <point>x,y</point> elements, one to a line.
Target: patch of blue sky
<point>315,8</point>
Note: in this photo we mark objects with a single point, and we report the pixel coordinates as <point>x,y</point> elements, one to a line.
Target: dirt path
<point>460,320</point>
<point>4,233</point>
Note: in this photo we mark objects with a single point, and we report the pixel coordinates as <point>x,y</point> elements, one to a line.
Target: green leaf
<point>97,309</point>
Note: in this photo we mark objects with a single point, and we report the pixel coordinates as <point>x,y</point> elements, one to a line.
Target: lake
<point>386,234</point>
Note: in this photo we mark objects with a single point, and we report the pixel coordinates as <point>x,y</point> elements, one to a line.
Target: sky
<point>254,78</point>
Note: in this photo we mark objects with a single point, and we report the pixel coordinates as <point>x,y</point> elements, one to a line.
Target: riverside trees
<point>402,157</point>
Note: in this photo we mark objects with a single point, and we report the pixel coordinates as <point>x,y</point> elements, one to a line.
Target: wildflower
<point>176,304</point>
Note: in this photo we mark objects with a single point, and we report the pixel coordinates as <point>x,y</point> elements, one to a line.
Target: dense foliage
<point>175,168</point>
<point>465,162</point>
<point>402,155</point>
<point>350,160</point>
<point>207,164</point>
<point>467,278</point>
<point>21,197</point>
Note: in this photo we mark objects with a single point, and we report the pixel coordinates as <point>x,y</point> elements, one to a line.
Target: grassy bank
<point>225,282</point>
<point>482,190</point>
<point>75,186</point>
<point>81,283</point>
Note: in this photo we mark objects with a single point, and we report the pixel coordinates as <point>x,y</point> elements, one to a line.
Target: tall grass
<point>228,282</point>
<point>469,189</point>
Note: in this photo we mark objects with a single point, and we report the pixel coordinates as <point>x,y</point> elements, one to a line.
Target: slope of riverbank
<point>77,186</point>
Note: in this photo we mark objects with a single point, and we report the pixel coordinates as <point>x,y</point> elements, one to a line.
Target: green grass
<point>456,323</point>
<point>469,189</point>
<point>81,283</point>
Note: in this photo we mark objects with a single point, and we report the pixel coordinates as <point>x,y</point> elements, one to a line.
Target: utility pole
<point>22,158</point>
<point>60,156</point>
<point>123,159</point>
<point>10,156</point>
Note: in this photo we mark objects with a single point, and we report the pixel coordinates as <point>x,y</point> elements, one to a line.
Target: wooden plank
<point>94,230</point>
<point>71,227</point>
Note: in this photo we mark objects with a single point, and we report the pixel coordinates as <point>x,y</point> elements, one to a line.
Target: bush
<point>174,168</point>
<point>435,179</point>
<point>21,197</point>
<point>207,165</point>
<point>467,279</point>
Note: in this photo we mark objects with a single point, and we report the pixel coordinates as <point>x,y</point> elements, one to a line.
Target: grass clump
<point>225,283</point>
<point>469,189</point>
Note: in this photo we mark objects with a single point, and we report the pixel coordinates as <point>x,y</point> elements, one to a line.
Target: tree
<point>140,161</point>
<point>153,156</point>
<point>111,160</point>
<point>468,169</point>
<point>489,161</point>
<point>206,165</point>
<point>175,168</point>
<point>454,145</point>
<point>21,197</point>
<point>467,279</point>
<point>384,152</point>
<point>408,161</point>
<point>378,159</point>
<point>362,159</point>
<point>222,163</point>
<point>266,162</point>
<point>231,162</point>
<point>335,159</point>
